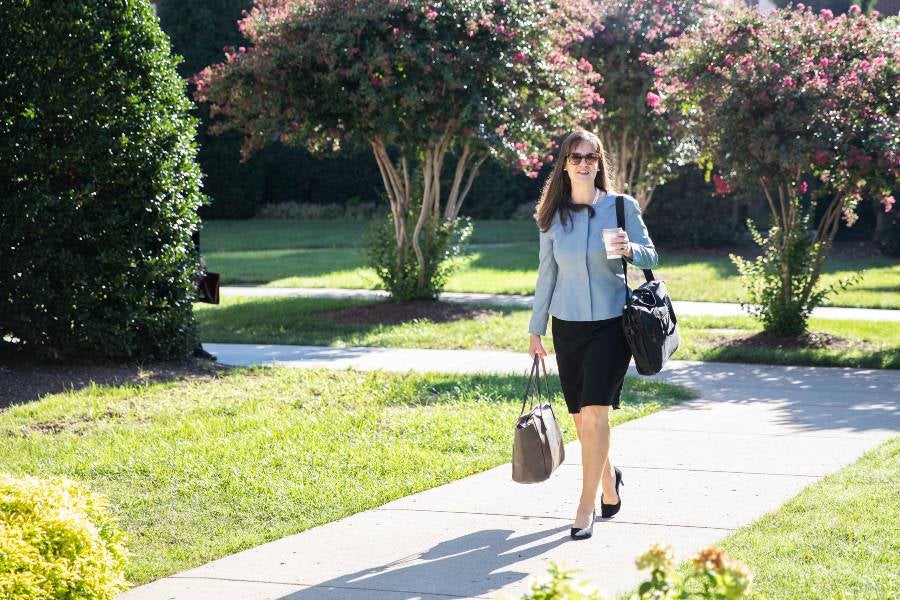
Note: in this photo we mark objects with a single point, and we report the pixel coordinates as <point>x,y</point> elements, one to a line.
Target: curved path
<point>754,437</point>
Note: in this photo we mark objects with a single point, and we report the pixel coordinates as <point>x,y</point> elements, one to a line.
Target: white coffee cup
<point>609,238</point>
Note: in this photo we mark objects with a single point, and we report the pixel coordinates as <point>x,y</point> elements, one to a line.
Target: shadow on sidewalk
<point>812,399</point>
<point>470,565</point>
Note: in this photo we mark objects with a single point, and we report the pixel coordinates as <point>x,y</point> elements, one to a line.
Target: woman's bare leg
<point>592,426</point>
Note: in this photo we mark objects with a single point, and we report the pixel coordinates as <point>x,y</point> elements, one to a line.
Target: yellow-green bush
<point>57,540</point>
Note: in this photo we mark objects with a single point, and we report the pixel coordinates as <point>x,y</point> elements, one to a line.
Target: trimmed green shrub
<point>401,274</point>
<point>58,540</point>
<point>99,187</point>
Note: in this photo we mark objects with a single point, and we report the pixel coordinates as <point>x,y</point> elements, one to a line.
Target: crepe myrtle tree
<point>639,139</point>
<point>415,81</point>
<point>775,103</point>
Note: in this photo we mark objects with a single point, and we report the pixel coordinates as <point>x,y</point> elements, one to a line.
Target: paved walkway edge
<point>753,439</point>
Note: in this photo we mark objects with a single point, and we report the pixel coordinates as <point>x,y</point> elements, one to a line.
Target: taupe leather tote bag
<point>537,444</point>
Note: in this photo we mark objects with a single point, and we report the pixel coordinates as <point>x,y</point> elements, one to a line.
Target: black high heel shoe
<point>586,532</point>
<point>609,510</point>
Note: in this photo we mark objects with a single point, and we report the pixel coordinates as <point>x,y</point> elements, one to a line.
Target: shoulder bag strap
<point>528,386</point>
<point>620,220</point>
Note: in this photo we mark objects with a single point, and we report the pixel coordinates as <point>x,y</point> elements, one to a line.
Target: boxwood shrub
<point>57,540</point>
<point>99,185</point>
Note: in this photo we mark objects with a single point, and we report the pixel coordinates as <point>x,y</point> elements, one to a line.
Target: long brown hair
<point>557,193</point>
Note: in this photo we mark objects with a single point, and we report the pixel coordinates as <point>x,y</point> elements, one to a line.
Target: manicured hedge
<point>99,186</point>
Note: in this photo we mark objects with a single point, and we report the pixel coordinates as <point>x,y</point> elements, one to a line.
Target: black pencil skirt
<point>593,358</point>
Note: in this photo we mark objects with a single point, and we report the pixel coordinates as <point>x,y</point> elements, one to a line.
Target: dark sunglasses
<point>589,159</point>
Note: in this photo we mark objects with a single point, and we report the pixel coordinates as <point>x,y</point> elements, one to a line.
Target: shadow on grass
<point>812,349</point>
<point>262,266</point>
<point>323,321</point>
<point>24,379</point>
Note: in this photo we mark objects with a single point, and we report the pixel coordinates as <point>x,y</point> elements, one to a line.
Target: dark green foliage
<point>199,31</point>
<point>498,191</point>
<point>887,232</point>
<point>685,212</point>
<point>99,186</point>
<point>442,246</point>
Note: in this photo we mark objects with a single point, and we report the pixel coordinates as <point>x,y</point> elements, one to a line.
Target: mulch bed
<point>395,313</point>
<point>808,341</point>
<point>23,379</point>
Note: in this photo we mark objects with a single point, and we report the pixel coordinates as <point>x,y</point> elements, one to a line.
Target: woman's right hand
<point>535,347</point>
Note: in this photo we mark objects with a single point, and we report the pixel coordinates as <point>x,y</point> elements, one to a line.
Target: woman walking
<point>585,292</point>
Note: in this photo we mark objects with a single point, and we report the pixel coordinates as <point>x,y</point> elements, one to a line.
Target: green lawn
<point>300,321</point>
<point>839,538</point>
<point>327,254</point>
<point>207,466</point>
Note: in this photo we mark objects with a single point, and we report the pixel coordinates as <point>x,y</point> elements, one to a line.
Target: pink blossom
<point>720,184</point>
<point>803,187</point>
<point>855,10</point>
<point>549,158</point>
<point>788,82</point>
<point>375,80</point>
<point>431,14</point>
<point>888,202</point>
<point>242,49</point>
<point>729,60</point>
<point>826,14</point>
<point>653,100</point>
<point>878,61</point>
<point>520,57</point>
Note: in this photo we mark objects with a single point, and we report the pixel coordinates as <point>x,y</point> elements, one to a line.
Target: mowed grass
<point>300,321</point>
<point>838,538</point>
<point>501,260</point>
<point>203,467</point>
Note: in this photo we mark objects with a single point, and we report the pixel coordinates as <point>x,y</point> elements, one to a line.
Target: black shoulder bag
<point>649,319</point>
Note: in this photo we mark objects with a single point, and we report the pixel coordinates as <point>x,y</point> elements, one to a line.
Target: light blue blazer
<point>576,282</point>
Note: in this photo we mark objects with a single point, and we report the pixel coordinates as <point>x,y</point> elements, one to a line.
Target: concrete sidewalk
<point>682,307</point>
<point>754,438</point>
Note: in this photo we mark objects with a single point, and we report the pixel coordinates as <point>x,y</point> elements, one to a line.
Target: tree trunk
<point>396,180</point>
<point>629,158</point>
